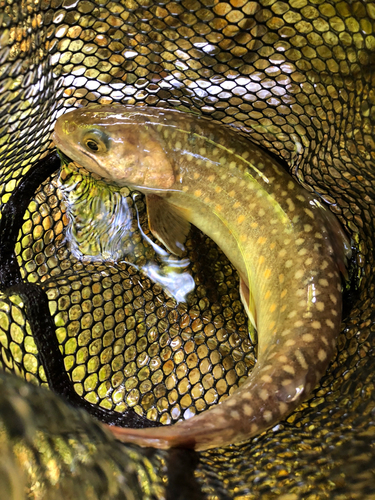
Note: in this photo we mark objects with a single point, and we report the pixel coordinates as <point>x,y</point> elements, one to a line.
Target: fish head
<point>119,143</point>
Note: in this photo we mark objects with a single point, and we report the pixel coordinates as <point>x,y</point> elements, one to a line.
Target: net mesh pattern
<point>295,77</point>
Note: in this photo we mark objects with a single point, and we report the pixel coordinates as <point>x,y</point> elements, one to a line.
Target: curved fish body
<point>288,249</point>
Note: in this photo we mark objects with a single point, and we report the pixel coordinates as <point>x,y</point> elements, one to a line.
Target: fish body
<point>287,247</point>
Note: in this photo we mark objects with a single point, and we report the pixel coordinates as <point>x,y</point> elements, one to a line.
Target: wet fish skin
<point>287,247</point>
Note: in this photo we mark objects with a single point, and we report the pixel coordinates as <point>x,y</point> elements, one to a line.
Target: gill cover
<point>143,161</point>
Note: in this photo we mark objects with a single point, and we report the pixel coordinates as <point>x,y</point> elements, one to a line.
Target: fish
<point>288,248</point>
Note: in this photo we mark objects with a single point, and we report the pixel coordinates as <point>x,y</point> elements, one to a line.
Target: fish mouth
<point>61,151</point>
<point>69,154</point>
<point>55,138</point>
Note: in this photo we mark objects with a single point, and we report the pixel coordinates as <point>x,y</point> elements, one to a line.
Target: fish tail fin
<point>255,407</point>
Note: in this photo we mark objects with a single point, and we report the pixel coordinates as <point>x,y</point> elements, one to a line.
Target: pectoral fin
<point>167,224</point>
<point>248,302</point>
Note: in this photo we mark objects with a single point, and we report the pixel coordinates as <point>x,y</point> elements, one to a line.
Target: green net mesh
<point>297,78</point>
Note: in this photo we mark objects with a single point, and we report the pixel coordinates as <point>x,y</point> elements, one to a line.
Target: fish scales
<point>287,247</point>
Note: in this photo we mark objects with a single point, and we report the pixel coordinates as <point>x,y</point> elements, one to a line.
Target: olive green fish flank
<point>288,249</point>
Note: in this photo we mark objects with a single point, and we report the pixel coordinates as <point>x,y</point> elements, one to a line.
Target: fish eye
<point>96,141</point>
<point>92,145</point>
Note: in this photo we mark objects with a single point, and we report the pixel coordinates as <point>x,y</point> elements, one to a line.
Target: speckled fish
<point>286,246</point>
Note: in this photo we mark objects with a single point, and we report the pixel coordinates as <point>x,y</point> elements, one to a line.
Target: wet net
<point>84,308</point>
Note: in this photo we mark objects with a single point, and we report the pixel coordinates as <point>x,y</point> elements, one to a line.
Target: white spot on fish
<point>289,369</point>
<point>330,324</point>
<point>301,359</point>
<point>267,415</point>
<point>253,428</point>
<point>286,332</point>
<point>322,355</point>
<point>291,205</point>
<point>333,298</point>
<point>299,274</point>
<point>283,407</point>
<point>286,382</point>
<point>263,394</point>
<point>307,337</point>
<point>247,409</point>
